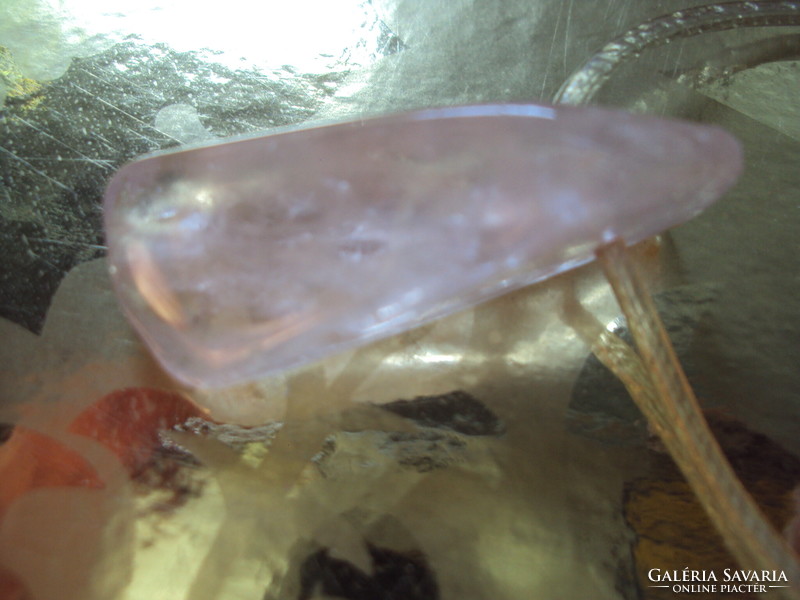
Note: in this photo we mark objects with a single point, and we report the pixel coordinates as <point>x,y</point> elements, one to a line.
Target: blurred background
<point>517,468</point>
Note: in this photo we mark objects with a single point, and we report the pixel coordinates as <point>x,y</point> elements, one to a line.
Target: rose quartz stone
<point>252,255</point>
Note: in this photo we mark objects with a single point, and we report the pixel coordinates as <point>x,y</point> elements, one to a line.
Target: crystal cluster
<point>252,255</point>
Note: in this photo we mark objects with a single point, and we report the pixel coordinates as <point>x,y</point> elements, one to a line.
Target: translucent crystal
<point>252,255</point>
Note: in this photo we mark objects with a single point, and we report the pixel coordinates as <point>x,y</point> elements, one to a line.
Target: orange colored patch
<point>30,460</point>
<point>128,422</point>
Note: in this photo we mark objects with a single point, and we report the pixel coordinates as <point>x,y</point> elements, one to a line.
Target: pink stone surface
<point>253,255</point>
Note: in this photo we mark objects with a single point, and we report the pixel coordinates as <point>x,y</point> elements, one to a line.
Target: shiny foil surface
<point>484,455</point>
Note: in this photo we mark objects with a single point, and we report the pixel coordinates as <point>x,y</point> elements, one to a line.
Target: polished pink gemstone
<point>252,255</point>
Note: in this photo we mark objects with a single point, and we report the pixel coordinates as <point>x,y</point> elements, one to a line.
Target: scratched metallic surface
<point>63,137</point>
<point>85,94</point>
